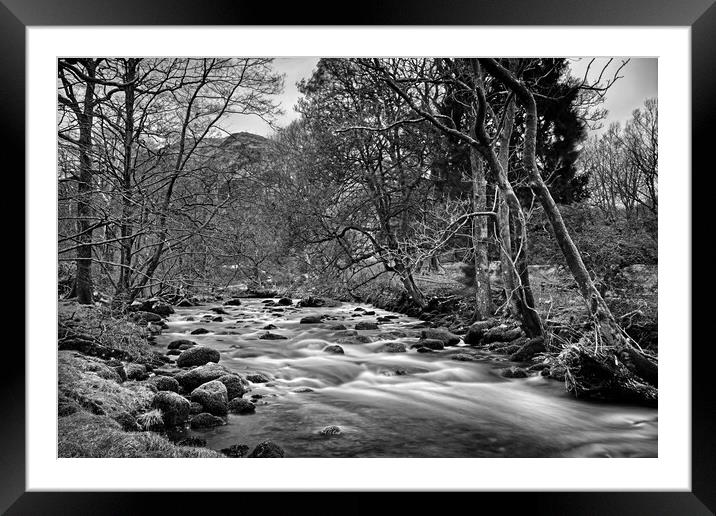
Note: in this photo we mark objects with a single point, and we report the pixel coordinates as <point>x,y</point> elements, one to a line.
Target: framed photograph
<point>428,250</point>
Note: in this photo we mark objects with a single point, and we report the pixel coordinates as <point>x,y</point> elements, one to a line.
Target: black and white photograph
<point>357,257</point>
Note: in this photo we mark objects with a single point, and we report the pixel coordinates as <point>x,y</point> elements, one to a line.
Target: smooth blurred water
<point>437,407</point>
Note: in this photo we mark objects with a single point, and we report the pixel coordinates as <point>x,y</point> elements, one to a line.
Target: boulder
<point>197,356</point>
<point>126,421</point>
<point>334,348</point>
<point>477,330</point>
<point>235,385</point>
<point>233,302</point>
<point>272,336</point>
<point>270,327</point>
<point>218,318</point>
<point>285,301</point>
<point>501,333</point>
<point>314,302</point>
<point>213,396</point>
<point>195,408</point>
<point>302,390</point>
<point>174,408</point>
<point>173,352</point>
<point>330,430</point>
<point>184,302</point>
<point>162,309</point>
<point>267,450</point>
<point>235,451</point>
<point>241,406</point>
<point>528,350</point>
<point>423,349</point>
<point>206,420</point>
<point>199,331</point>
<point>515,372</point>
<point>311,319</point>
<point>193,378</point>
<point>181,344</point>
<point>359,309</point>
<point>393,347</point>
<point>429,343</point>
<point>448,338</point>
<point>337,327</point>
<point>165,383</point>
<point>464,357</point>
<point>145,317</point>
<point>258,378</point>
<point>366,326</point>
<point>136,371</point>
<point>219,310</point>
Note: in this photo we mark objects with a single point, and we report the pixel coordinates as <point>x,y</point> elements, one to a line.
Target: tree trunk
<point>503,217</point>
<point>83,281</point>
<point>483,301</point>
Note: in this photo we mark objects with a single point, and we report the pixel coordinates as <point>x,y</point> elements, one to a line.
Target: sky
<point>638,82</point>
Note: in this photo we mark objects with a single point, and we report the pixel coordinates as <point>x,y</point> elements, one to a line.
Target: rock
<point>334,348</point>
<point>190,318</point>
<point>165,383</point>
<point>366,326</point>
<point>302,390</point>
<point>136,371</point>
<point>528,350</point>
<point>371,312</point>
<point>272,336</point>
<point>145,317</point>
<point>206,420</point>
<point>181,344</point>
<point>213,396</point>
<point>258,378</point>
<point>267,450</point>
<point>167,371</point>
<point>423,349</point>
<point>184,303</point>
<point>193,378</point>
<point>555,371</point>
<point>192,441</point>
<point>464,357</point>
<point>433,344</point>
<point>233,302</point>
<point>162,309</point>
<point>195,408</point>
<point>515,372</point>
<point>270,327</point>
<point>235,451</point>
<point>448,338</point>
<point>314,302</point>
<point>174,408</point>
<point>197,356</point>
<point>218,319</point>
<point>199,331</point>
<point>337,327</point>
<point>477,330</point>
<point>501,333</point>
<point>219,310</point>
<point>358,339</point>
<point>311,319</point>
<point>235,385</point>
<point>330,430</point>
<point>241,406</point>
<point>117,366</point>
<point>393,347</point>
<point>285,301</point>
<point>359,309</point>
<point>347,333</point>
<point>173,352</point>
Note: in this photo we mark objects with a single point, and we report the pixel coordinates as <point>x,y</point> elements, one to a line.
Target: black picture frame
<point>700,15</point>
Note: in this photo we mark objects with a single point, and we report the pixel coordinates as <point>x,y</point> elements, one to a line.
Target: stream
<point>395,404</point>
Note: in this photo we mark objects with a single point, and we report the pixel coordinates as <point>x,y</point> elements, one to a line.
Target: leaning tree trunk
<point>483,301</point>
<point>609,337</point>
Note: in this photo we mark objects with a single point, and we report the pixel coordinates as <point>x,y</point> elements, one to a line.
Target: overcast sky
<point>638,82</point>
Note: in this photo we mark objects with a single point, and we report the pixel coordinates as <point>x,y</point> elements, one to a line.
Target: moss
<point>87,435</point>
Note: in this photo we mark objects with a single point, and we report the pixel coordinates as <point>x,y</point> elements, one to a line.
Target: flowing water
<point>396,404</point>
